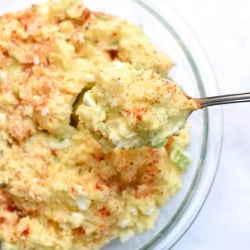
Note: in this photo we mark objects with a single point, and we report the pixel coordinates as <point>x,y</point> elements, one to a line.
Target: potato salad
<point>62,70</point>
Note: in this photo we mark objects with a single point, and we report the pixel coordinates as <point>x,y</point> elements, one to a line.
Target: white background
<point>223,28</point>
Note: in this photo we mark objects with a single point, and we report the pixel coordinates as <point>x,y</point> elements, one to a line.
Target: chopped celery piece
<point>159,143</point>
<point>180,157</point>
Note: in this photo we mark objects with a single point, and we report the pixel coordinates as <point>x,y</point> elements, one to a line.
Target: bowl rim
<point>211,149</point>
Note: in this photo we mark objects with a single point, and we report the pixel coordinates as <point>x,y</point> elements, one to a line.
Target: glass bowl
<point>193,73</point>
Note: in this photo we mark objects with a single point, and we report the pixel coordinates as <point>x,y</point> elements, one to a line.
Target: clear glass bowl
<point>193,73</point>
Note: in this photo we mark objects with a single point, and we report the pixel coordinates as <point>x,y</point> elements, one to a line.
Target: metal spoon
<point>137,134</point>
<point>223,99</point>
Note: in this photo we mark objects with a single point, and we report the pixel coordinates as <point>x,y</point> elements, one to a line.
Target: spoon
<point>223,99</point>
<point>131,141</point>
<point>130,109</point>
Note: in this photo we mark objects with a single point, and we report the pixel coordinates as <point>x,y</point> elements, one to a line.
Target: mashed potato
<point>58,189</point>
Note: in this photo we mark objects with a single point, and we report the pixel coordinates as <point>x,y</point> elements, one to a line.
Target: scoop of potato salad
<point>131,108</point>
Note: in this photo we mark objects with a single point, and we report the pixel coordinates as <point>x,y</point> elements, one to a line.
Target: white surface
<point>223,27</point>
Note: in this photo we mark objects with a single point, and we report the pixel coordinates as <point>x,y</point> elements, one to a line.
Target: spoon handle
<point>223,99</point>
